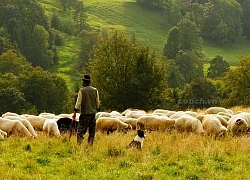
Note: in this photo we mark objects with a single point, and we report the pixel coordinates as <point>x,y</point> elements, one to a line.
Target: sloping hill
<point>149,27</point>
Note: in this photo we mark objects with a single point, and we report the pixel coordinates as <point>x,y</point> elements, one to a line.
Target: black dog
<point>66,125</point>
<point>138,140</point>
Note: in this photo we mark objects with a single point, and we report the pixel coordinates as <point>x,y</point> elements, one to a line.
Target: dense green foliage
<point>218,67</point>
<point>66,37</point>
<point>237,83</point>
<point>184,45</point>
<point>127,74</point>
<point>201,93</point>
<point>24,87</point>
<point>209,16</point>
<point>28,26</point>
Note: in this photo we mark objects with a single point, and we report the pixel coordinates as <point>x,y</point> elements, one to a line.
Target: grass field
<point>149,27</point>
<point>165,155</point>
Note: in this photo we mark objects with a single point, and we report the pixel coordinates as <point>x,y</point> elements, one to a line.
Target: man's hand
<point>74,116</point>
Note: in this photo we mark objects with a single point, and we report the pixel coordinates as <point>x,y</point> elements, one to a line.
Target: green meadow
<point>149,27</point>
<point>165,155</point>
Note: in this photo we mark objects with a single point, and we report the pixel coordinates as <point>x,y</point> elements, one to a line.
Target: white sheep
<point>132,122</point>
<point>3,134</point>
<point>110,124</point>
<point>239,123</point>
<point>47,115</point>
<point>188,124</point>
<point>14,127</point>
<point>64,116</point>
<point>37,122</point>
<point>113,114</point>
<point>178,114</point>
<point>155,123</point>
<point>9,114</point>
<point>222,119</point>
<point>160,112</point>
<point>133,113</point>
<point>25,122</point>
<point>50,128</point>
<point>191,113</point>
<point>213,127</point>
<point>215,110</point>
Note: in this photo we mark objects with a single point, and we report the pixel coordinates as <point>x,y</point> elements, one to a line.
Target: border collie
<point>138,140</point>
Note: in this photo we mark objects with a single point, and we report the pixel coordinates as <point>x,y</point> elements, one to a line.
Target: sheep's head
<point>223,132</point>
<point>127,128</point>
<point>240,126</point>
<point>238,122</point>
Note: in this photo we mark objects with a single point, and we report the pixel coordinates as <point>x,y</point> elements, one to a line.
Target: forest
<point>128,73</point>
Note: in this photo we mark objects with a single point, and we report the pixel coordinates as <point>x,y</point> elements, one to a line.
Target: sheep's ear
<point>238,121</point>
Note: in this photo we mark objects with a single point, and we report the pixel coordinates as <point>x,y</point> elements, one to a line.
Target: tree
<point>80,17</point>
<point>189,36</point>
<point>46,91</point>
<point>222,23</point>
<point>198,14</point>
<point>183,37</point>
<point>126,74</point>
<point>246,18</point>
<point>184,45</point>
<point>11,98</point>
<point>218,67</point>
<point>190,65</point>
<point>10,62</point>
<point>41,36</point>
<point>171,48</point>
<point>200,93</point>
<point>237,84</point>
<point>87,42</point>
<point>56,22</point>
<point>20,19</point>
<point>5,42</point>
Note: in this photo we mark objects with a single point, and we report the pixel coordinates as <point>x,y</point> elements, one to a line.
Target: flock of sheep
<point>214,121</point>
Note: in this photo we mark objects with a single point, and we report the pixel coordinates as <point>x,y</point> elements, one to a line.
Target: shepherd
<point>88,104</point>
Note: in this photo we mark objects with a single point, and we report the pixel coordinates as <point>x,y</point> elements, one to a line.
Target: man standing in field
<point>88,103</point>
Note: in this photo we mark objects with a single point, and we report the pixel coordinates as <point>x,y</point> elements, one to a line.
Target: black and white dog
<point>138,140</point>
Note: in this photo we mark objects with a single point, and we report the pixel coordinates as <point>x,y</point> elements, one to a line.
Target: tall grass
<point>163,156</point>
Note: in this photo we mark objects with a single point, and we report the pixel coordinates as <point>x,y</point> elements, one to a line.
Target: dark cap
<point>86,77</point>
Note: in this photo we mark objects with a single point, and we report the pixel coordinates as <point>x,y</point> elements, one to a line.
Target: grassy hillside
<point>149,27</point>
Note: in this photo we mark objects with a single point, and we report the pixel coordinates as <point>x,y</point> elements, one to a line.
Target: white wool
<point>9,114</point>
<point>14,126</point>
<point>239,123</point>
<point>37,122</point>
<point>2,134</point>
<point>213,126</point>
<point>155,123</point>
<point>25,122</point>
<point>50,127</point>
<point>188,123</point>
